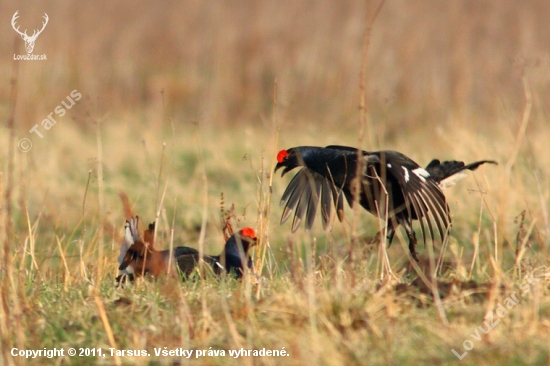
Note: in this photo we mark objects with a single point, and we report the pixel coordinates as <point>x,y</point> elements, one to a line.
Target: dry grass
<point>178,109</point>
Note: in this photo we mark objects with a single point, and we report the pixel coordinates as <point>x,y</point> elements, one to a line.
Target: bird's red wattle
<point>248,232</point>
<point>281,156</point>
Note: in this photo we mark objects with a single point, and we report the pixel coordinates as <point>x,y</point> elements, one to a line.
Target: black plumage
<point>440,171</point>
<point>328,174</point>
<point>231,258</point>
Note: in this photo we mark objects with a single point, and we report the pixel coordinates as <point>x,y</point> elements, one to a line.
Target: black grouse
<point>230,260</point>
<point>143,259</point>
<point>412,192</point>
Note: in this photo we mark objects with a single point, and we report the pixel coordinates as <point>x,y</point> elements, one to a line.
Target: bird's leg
<point>392,225</point>
<point>407,224</point>
<point>391,233</point>
<point>412,242</point>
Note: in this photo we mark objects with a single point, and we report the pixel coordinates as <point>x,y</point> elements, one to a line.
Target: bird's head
<point>149,234</point>
<point>140,252</point>
<point>135,255</point>
<point>245,239</point>
<point>248,238</point>
<point>236,251</point>
<point>289,159</point>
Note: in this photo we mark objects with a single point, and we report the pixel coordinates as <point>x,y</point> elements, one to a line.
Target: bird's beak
<point>286,170</point>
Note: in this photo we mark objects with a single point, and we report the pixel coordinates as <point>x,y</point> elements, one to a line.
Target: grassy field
<point>184,107</point>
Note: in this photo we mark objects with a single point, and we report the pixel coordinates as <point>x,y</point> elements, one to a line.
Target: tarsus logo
<point>29,41</point>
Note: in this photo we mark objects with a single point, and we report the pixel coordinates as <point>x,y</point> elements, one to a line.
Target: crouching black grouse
<point>411,192</point>
<point>232,258</point>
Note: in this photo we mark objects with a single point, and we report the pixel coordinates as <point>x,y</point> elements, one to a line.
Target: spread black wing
<point>304,193</point>
<point>422,196</point>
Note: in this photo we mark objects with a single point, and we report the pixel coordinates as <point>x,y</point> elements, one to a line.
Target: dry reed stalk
<point>5,333</point>
<point>202,234</point>
<point>106,324</point>
<point>86,192</point>
<point>31,242</point>
<point>101,202</point>
<point>523,127</point>
<point>67,272</point>
<point>172,230</point>
<point>264,202</point>
<point>475,240</point>
<point>363,126</point>
<point>11,306</point>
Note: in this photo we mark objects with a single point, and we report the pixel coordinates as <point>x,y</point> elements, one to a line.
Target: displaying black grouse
<point>411,192</point>
<point>139,257</point>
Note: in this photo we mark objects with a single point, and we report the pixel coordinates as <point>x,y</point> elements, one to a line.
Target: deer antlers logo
<point>29,40</point>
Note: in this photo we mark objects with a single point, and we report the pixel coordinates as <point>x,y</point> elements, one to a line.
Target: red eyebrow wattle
<point>282,155</point>
<point>249,232</point>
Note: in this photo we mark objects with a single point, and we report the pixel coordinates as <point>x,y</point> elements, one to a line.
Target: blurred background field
<point>179,97</point>
<point>430,62</point>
